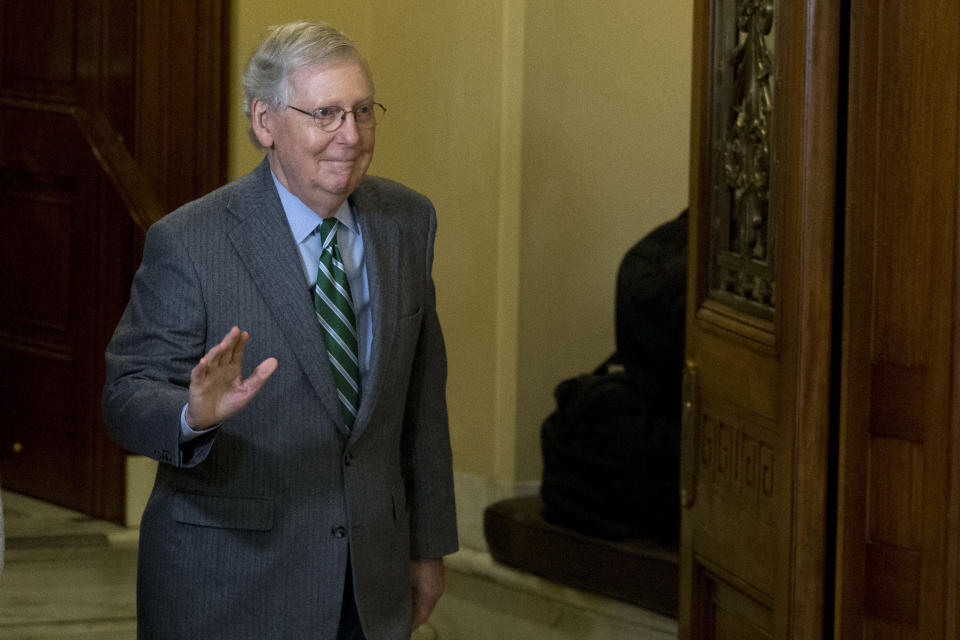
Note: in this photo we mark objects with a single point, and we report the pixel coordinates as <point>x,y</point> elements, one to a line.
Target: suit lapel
<point>381,256</point>
<point>262,239</point>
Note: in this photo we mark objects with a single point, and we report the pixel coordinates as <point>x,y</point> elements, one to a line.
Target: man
<point>310,495</point>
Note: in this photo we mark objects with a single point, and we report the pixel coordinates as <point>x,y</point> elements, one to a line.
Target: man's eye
<point>326,112</point>
<point>364,110</point>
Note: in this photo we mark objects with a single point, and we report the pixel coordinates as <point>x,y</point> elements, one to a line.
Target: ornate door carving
<point>759,319</point>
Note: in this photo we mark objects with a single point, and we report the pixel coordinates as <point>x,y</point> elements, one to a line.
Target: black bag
<point>650,307</point>
<point>611,449</point>
<point>610,463</point>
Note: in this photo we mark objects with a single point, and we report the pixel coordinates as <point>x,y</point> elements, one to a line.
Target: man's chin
<point>343,185</point>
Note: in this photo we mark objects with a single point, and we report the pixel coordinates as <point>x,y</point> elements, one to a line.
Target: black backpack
<point>611,449</point>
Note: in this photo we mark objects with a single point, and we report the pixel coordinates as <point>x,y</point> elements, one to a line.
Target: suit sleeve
<point>156,344</point>
<point>426,439</point>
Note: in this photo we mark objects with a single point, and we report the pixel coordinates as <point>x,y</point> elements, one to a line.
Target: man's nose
<point>348,131</point>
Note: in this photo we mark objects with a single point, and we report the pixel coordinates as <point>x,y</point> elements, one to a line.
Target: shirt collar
<point>302,219</point>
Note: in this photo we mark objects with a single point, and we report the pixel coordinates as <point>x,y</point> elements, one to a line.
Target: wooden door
<point>757,386</point>
<point>899,491</point>
<point>111,112</point>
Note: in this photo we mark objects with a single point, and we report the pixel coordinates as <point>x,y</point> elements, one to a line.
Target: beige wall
<point>551,135</point>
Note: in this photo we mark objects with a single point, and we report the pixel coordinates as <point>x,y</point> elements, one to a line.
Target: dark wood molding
<point>124,173</point>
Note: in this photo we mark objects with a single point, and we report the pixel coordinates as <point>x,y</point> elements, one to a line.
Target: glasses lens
<point>365,115</point>
<point>328,118</point>
<point>368,115</point>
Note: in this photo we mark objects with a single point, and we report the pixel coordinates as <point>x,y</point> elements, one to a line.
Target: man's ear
<point>261,119</point>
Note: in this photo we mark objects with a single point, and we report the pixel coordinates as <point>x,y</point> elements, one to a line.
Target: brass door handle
<point>688,464</point>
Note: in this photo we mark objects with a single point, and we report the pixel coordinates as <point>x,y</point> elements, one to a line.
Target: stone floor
<point>66,576</point>
<point>70,577</point>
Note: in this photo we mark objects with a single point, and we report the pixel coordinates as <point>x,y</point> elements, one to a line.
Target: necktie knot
<point>328,232</point>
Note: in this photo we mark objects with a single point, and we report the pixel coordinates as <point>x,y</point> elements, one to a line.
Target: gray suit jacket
<point>247,530</point>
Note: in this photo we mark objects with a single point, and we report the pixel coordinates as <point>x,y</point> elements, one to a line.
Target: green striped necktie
<point>334,307</point>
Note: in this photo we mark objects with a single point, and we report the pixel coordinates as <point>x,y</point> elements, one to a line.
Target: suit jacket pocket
<point>226,512</point>
<point>406,339</point>
<point>413,315</point>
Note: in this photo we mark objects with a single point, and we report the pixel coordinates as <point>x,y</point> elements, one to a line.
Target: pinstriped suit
<point>247,531</point>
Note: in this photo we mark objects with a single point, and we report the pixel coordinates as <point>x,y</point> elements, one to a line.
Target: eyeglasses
<point>366,115</point>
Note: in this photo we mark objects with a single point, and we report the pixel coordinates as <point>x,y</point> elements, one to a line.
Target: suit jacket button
<point>339,532</point>
<point>347,459</point>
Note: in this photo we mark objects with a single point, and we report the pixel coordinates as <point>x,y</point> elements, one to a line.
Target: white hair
<point>288,47</point>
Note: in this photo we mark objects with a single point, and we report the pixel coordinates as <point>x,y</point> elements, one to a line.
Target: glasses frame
<point>343,116</point>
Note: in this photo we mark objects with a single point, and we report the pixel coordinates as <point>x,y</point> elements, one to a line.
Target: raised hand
<point>217,390</point>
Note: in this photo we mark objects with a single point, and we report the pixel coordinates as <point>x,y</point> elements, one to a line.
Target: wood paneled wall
<point>897,537</point>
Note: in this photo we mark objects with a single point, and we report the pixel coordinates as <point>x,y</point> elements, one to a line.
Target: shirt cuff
<point>187,433</point>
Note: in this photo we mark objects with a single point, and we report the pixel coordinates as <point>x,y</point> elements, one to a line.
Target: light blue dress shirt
<point>304,225</point>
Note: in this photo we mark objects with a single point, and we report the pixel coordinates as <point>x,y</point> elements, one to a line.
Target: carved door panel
<point>756,391</point>
<point>94,97</point>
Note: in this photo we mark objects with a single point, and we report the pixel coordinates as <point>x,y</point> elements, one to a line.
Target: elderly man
<point>309,496</point>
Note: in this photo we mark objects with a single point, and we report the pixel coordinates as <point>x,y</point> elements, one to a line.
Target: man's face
<point>320,167</point>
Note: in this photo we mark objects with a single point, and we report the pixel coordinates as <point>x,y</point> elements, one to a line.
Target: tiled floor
<point>66,575</point>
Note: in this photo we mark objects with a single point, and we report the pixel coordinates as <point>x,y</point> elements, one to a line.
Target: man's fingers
<point>263,371</point>
<point>422,611</point>
<point>199,370</point>
<point>235,350</point>
<point>215,357</point>
<point>228,347</point>
<point>420,614</point>
<point>217,390</point>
